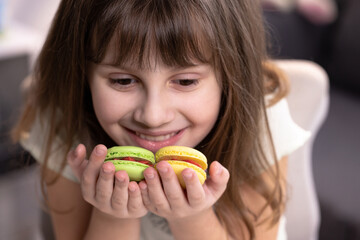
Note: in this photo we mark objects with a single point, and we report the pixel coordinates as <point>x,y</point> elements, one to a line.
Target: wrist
<point>107,226</point>
<point>189,220</point>
<point>109,217</point>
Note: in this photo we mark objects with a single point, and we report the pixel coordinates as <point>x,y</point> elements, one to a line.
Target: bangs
<point>138,32</point>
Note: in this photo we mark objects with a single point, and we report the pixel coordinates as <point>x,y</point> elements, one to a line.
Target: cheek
<point>209,113</point>
<point>204,109</point>
<point>104,111</point>
<point>107,105</point>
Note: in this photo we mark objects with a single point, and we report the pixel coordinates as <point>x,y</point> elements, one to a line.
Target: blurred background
<point>295,32</point>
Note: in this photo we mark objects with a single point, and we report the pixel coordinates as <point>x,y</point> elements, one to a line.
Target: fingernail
<point>120,179</point>
<point>218,170</point>
<point>132,188</point>
<point>149,175</point>
<point>188,175</point>
<point>163,169</point>
<point>99,150</point>
<point>107,168</point>
<point>143,186</point>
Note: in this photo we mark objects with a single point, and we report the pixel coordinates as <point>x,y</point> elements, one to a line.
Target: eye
<point>122,83</point>
<point>186,82</point>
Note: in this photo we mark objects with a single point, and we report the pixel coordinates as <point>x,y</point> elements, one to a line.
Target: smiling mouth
<point>158,138</point>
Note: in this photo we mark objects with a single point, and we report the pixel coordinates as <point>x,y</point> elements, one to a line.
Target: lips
<point>155,141</point>
<point>159,138</point>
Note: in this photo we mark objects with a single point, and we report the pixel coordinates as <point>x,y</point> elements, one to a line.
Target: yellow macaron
<point>180,158</point>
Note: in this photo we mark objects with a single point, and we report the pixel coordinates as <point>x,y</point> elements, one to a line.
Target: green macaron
<point>133,160</point>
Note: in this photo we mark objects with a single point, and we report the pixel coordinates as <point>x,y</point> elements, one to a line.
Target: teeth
<point>156,138</point>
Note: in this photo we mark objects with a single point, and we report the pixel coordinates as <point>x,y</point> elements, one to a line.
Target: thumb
<point>219,177</point>
<point>76,160</point>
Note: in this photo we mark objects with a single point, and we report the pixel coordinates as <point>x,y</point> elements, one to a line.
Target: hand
<point>163,195</point>
<point>107,190</point>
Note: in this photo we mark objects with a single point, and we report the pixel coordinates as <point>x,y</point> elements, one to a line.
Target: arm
<point>194,218</point>
<point>69,213</point>
<point>72,217</point>
<point>254,201</point>
<point>97,208</point>
<point>203,226</point>
<point>104,226</point>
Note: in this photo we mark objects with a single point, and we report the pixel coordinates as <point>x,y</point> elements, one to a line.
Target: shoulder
<point>35,142</point>
<point>287,136</point>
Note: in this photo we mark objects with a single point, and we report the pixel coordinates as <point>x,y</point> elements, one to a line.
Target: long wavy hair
<point>228,34</point>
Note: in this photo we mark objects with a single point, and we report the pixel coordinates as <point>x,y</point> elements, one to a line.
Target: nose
<point>154,111</point>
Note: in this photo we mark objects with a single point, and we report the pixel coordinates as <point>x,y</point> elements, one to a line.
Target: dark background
<point>336,161</point>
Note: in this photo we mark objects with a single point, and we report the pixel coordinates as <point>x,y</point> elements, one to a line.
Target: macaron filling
<point>132,159</point>
<point>184,160</point>
<point>182,153</point>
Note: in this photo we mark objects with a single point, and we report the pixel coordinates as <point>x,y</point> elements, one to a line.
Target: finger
<point>157,196</point>
<point>105,184</point>
<point>219,177</point>
<point>76,160</point>
<point>120,194</point>
<point>135,204</point>
<point>91,172</point>
<point>144,194</point>
<point>194,189</point>
<point>173,191</point>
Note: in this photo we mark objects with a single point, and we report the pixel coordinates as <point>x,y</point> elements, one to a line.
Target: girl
<point>153,73</point>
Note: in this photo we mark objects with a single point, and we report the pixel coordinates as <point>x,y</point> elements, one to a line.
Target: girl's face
<point>156,106</point>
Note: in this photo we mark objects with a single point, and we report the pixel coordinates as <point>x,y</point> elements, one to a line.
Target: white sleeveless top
<point>287,137</point>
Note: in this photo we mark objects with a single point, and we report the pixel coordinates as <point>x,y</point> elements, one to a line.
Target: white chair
<point>308,102</point>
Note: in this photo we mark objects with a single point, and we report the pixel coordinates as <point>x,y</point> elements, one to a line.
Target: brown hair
<point>228,34</point>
